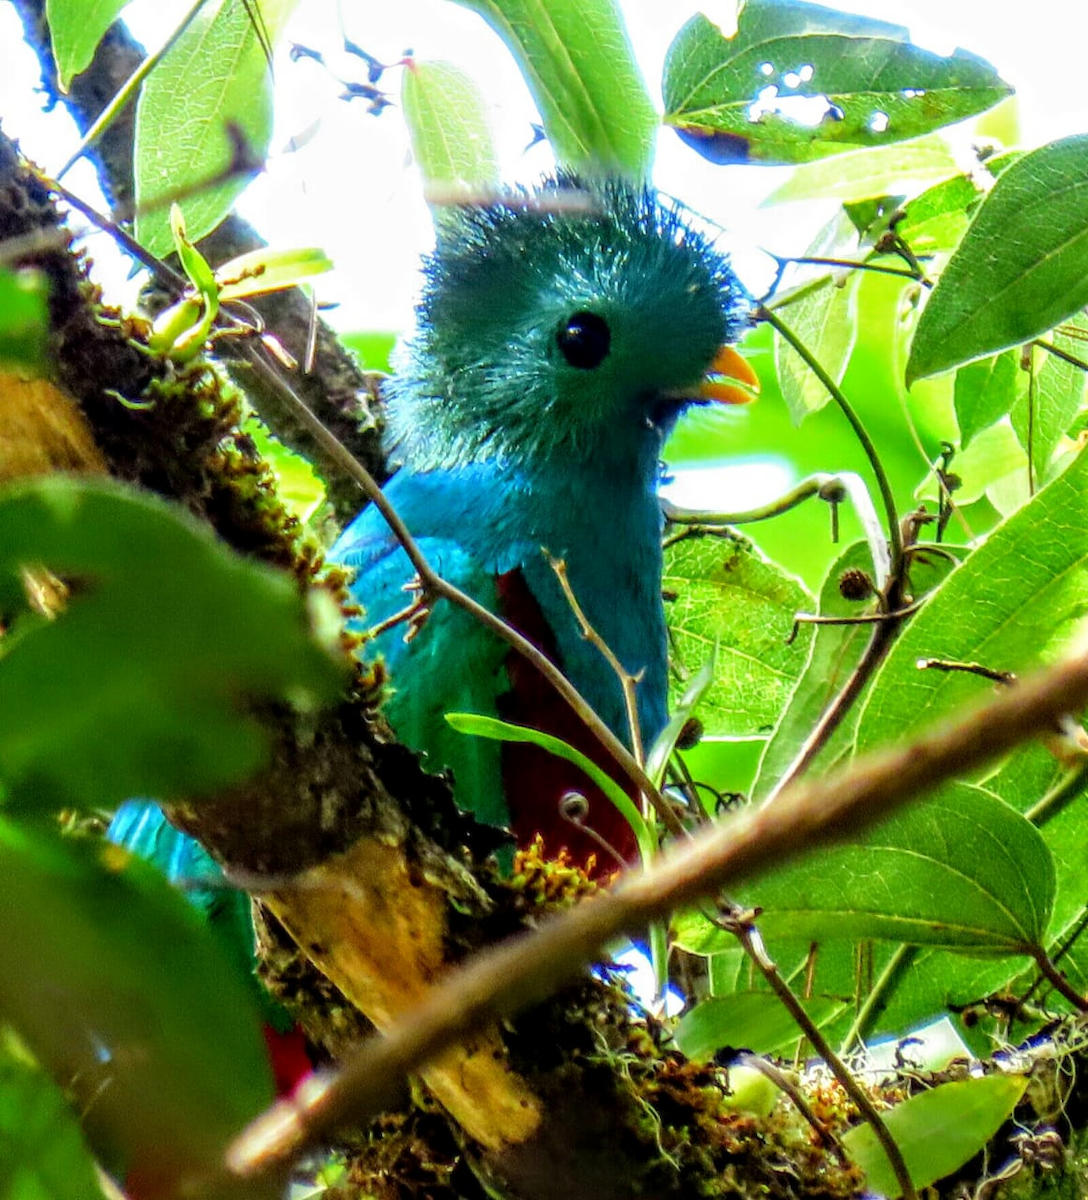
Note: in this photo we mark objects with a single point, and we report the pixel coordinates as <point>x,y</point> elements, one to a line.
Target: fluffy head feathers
<point>566,322</point>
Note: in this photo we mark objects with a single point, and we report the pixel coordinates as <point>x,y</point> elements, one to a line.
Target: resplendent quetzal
<point>561,332</point>
<point>559,336</point>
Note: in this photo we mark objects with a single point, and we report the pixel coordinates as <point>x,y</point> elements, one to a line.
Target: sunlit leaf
<point>864,83</point>
<point>75,29</point>
<point>138,686</point>
<point>268,270</point>
<point>825,319</point>
<point>1044,412</point>
<point>726,599</point>
<point>860,174</point>
<point>447,122</point>
<point>214,79</point>
<point>579,65</point>
<point>985,392</point>
<point>937,1131</point>
<point>1021,268</point>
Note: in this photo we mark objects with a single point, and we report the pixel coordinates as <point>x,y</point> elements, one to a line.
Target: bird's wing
<point>452,664</point>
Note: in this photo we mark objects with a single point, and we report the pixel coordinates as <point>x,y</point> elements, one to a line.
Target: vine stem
<point>1057,980</point>
<point>895,535</point>
<point>523,970</point>
<point>740,925</point>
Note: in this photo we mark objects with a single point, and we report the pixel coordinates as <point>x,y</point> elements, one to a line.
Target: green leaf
<point>42,1154</point>
<point>754,1021</point>
<point>835,652</point>
<point>961,870</point>
<point>1043,414</point>
<point>214,78</point>
<point>75,29</point>
<point>139,686</point>
<point>447,123</point>
<point>115,982</point>
<point>24,318</point>
<point>1021,268</point>
<point>985,392</point>
<point>935,221</point>
<point>936,1131</point>
<point>1012,605</point>
<point>731,602</point>
<point>866,84</point>
<point>862,174</point>
<point>503,731</point>
<point>825,319</point>
<point>577,60</point>
<point>268,269</point>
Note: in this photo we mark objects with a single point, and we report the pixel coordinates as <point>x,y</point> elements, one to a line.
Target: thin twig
<point>895,537</point>
<point>525,969</point>
<point>745,932</point>
<point>628,682</point>
<point>859,1027</point>
<point>1057,980</point>
<point>785,1084</point>
<point>814,485</point>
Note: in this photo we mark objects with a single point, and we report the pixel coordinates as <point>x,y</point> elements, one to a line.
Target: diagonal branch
<point>529,967</point>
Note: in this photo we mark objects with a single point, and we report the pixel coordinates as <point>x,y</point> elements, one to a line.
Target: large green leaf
<point>42,1154</point>
<point>728,601</point>
<point>1013,604</point>
<point>75,29</point>
<point>1022,265</point>
<point>118,985</point>
<point>961,870</point>
<point>936,1131</point>
<point>869,85</point>
<point>215,78</point>
<point>138,687</point>
<point>579,65</point>
<point>448,126</point>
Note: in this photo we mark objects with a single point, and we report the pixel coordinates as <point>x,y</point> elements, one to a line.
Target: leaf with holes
<point>726,599</point>
<point>798,82</point>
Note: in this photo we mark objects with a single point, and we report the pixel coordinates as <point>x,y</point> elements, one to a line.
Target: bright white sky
<point>353,188</point>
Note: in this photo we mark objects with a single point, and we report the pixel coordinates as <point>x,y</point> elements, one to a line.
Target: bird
<point>560,333</point>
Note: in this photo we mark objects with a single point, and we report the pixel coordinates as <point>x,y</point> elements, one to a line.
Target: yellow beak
<point>730,379</point>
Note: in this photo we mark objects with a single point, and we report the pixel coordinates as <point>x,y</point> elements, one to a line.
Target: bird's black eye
<point>584,340</point>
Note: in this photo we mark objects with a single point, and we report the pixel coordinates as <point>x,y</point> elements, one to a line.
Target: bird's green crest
<point>593,305</point>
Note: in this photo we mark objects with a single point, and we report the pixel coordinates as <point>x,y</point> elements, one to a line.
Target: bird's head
<point>571,322</point>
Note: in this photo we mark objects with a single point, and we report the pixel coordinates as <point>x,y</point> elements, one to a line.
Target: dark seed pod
<point>855,584</point>
<point>691,734</point>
